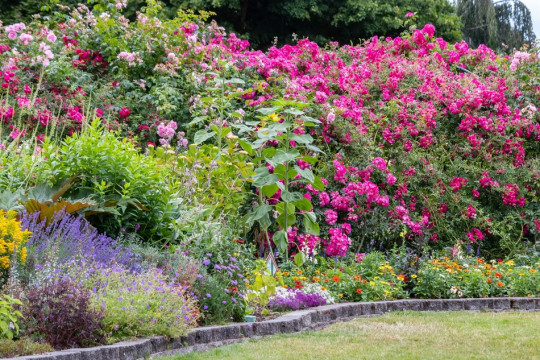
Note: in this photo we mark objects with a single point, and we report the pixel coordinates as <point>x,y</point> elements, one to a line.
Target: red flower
<point>124,113</point>
<point>358,291</point>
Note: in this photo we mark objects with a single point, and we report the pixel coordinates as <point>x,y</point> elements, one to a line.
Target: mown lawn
<point>400,335</point>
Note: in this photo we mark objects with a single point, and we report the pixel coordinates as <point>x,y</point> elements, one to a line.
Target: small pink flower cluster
<point>510,196</point>
<point>132,58</point>
<point>166,132</point>
<point>338,243</point>
<point>13,30</point>
<point>518,58</point>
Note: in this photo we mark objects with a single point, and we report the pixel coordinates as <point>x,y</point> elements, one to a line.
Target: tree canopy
<point>495,23</point>
<point>344,21</point>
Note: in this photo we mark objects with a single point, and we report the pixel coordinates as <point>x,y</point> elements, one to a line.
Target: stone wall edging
<point>204,338</point>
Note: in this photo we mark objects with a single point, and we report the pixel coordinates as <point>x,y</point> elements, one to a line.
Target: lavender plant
<point>67,243</point>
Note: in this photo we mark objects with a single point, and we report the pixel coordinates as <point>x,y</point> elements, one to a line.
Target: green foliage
<point>117,176</point>
<point>323,20</point>
<point>285,125</point>
<point>22,347</point>
<point>148,306</point>
<point>495,23</point>
<point>261,287</point>
<point>469,277</point>
<point>9,317</point>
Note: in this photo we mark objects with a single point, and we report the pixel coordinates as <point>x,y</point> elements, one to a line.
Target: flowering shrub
<point>12,242</point>
<point>220,290</point>
<point>143,304</point>
<point>473,277</point>
<point>60,312</point>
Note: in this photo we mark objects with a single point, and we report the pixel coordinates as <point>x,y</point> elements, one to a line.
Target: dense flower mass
<point>166,155</point>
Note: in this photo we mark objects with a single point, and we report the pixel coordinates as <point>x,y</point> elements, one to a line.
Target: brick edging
<point>207,337</point>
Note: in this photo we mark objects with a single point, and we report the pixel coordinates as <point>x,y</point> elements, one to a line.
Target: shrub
<point>12,242</point>
<point>220,289</point>
<point>60,312</point>
<point>130,186</point>
<point>145,304</point>
<point>9,317</point>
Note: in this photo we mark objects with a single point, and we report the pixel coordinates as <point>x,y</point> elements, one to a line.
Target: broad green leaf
<point>304,204</point>
<point>302,139</point>
<point>291,197</point>
<point>202,135</point>
<point>246,146</point>
<point>268,111</point>
<point>293,111</point>
<point>310,225</point>
<point>305,173</point>
<point>282,157</point>
<point>299,259</point>
<point>259,211</point>
<point>314,148</point>
<point>318,184</point>
<point>196,120</point>
<point>269,190</point>
<point>280,239</point>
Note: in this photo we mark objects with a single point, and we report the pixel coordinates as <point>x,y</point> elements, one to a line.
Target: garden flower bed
<point>209,337</point>
<point>158,176</point>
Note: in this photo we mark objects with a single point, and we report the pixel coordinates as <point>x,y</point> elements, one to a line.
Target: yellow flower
<point>414,276</point>
<point>340,295</point>
<point>532,271</point>
<point>4,262</point>
<point>274,117</point>
<point>372,283</point>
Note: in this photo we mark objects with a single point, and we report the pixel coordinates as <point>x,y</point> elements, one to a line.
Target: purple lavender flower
<point>73,237</point>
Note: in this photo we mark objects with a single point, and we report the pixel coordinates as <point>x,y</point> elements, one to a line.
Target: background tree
<point>326,20</point>
<point>496,23</point>
<point>261,21</point>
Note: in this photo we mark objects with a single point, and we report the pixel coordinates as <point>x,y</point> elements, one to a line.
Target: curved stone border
<point>315,318</point>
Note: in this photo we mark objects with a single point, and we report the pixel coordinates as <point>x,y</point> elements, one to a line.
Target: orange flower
<point>335,278</point>
<point>326,280</point>
<point>499,275</point>
<point>489,280</point>
<point>358,291</point>
<point>358,277</point>
<point>499,284</point>
<point>316,278</point>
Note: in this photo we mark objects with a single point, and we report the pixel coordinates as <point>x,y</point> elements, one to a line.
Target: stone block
<point>453,304</point>
<point>501,304</point>
<point>522,304</point>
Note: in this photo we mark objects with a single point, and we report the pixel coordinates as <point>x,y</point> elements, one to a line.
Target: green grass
<point>400,335</point>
